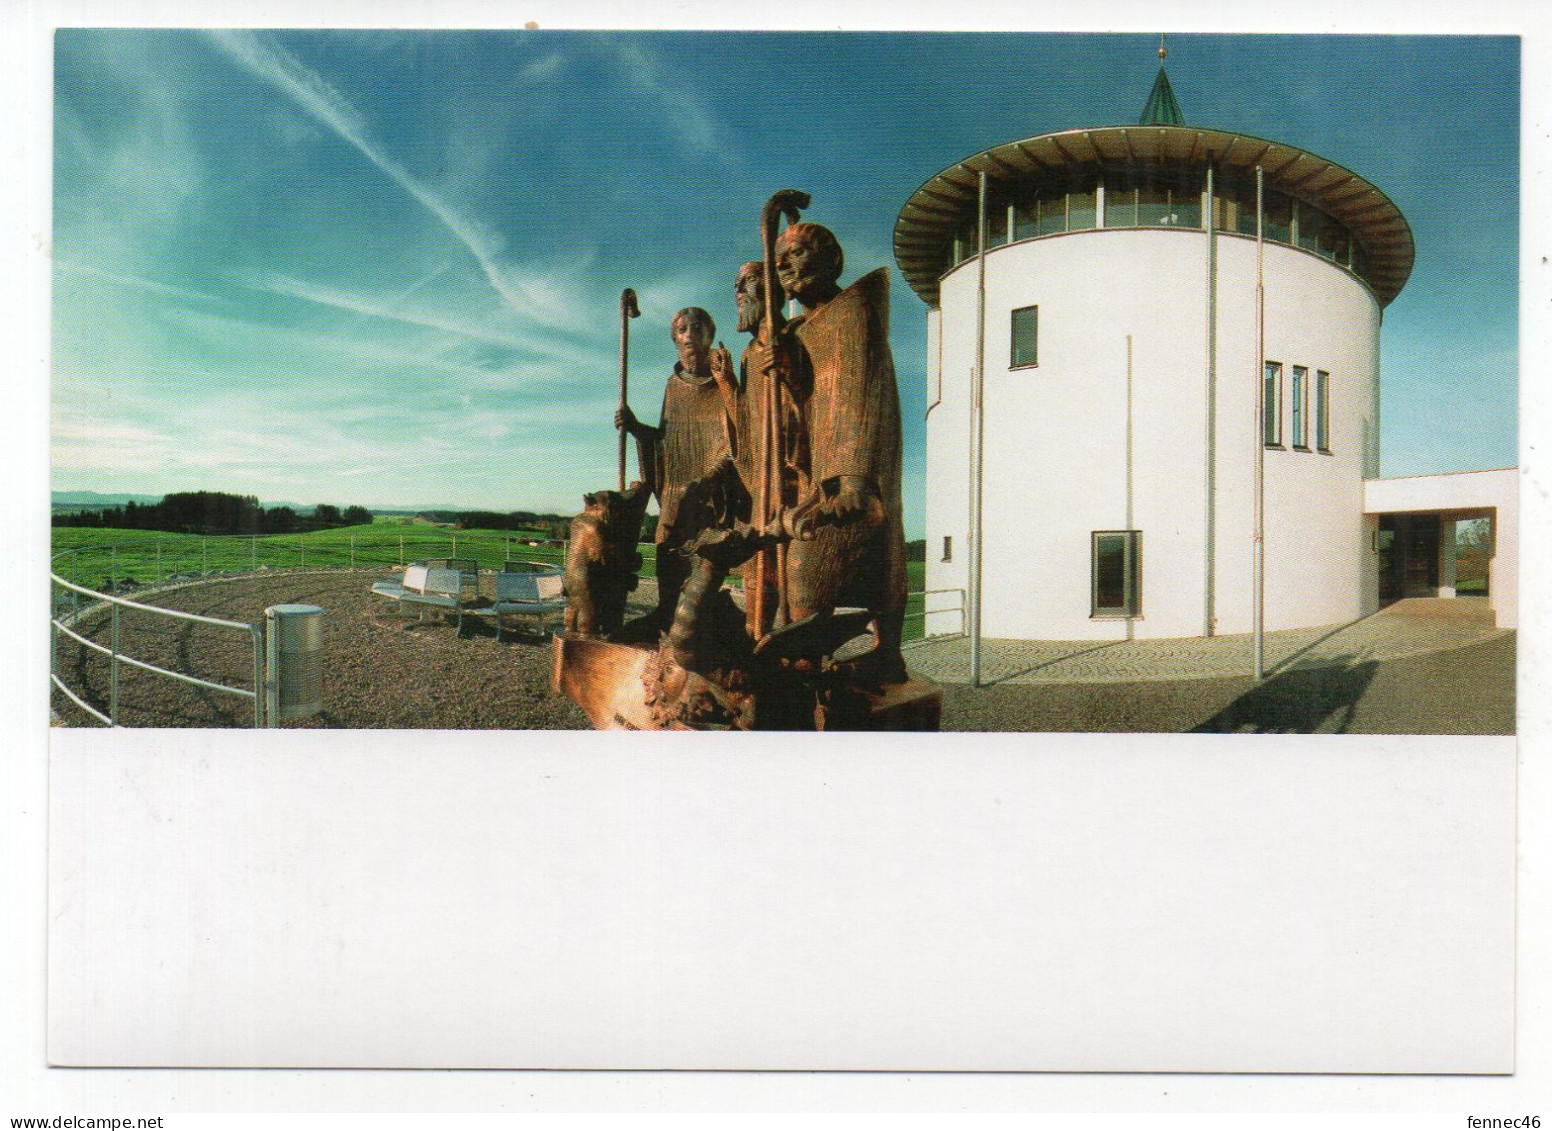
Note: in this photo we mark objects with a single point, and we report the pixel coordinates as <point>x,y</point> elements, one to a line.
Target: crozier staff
<point>628,310</point>
<point>769,501</point>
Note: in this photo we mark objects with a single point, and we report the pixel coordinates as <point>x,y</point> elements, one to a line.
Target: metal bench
<point>426,586</point>
<point>527,594</point>
<point>468,569</point>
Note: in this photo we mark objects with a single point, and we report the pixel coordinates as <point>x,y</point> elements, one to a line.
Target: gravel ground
<point>383,672</point>
<point>380,672</point>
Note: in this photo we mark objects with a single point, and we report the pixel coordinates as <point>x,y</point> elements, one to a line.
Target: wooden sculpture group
<point>783,467</point>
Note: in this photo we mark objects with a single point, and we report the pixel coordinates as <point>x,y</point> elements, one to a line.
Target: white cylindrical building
<point>1123,359</point>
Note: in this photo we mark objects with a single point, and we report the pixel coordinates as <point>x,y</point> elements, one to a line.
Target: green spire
<point>1162,109</point>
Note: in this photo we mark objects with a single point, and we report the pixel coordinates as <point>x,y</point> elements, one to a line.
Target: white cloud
<point>135,281</point>
<point>698,129</point>
<point>572,351</point>
<point>541,70</point>
<point>523,292</point>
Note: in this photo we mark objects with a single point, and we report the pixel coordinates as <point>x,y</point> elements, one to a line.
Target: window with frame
<point>1277,218</point>
<point>1322,410</point>
<point>1272,405</point>
<point>1120,200</point>
<point>1116,589</point>
<point>1297,395</point>
<point>1026,337</point>
<point>948,547</point>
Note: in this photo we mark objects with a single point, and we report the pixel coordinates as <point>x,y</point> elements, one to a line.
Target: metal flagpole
<point>1258,582</point>
<point>977,438</point>
<point>1210,502</point>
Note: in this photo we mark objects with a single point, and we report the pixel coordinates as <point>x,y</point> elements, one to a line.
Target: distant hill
<point>94,500</point>
<point>77,499</point>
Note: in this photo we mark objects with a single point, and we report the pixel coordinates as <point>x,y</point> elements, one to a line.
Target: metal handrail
<point>177,613</point>
<point>134,663</point>
<point>78,701</point>
<point>116,657</point>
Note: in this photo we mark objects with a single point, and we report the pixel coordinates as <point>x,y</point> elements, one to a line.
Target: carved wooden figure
<point>787,468</point>
<point>602,560</point>
<point>691,439</point>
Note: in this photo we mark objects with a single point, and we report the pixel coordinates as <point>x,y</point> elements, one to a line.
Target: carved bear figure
<point>602,560</point>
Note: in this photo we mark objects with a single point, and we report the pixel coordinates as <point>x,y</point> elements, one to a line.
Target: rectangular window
<point>948,547</point>
<point>1120,201</point>
<point>1026,219</point>
<point>1277,224</point>
<point>1026,337</point>
<point>1117,570</point>
<point>996,224</point>
<point>1309,221</point>
<point>1153,205</point>
<point>1342,250</point>
<point>1298,393</point>
<point>1185,203</point>
<point>1245,210</point>
<point>1053,214</point>
<point>1322,410</point>
<point>1082,210</point>
<point>1272,405</point>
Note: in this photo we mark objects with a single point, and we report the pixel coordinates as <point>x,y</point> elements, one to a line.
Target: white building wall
<point>1319,561</point>
<point>948,484</point>
<point>1056,463</point>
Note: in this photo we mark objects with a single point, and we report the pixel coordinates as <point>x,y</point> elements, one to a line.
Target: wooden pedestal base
<point>605,680</point>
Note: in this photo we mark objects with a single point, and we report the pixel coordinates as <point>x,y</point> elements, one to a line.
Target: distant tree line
<point>495,520</point>
<point>214,512</point>
<point>555,526</point>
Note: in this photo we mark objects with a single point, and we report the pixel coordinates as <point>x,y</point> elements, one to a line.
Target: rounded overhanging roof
<point>945,202</point>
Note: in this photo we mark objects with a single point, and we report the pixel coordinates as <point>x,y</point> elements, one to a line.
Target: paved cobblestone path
<point>1406,628</point>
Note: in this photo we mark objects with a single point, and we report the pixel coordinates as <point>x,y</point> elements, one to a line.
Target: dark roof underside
<point>947,201</point>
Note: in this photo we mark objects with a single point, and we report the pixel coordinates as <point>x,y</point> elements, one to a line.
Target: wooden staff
<point>787,203</point>
<point>628,310</point>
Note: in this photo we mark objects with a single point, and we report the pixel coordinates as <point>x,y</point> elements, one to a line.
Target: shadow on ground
<point>1321,700</point>
<point>1466,690</point>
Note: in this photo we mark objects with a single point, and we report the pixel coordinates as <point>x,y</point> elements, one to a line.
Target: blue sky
<point>384,267</point>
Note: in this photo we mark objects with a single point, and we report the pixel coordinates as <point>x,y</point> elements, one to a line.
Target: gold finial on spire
<point>1162,52</point>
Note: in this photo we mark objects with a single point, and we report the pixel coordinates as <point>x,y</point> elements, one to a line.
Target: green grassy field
<point>100,557</point>
<point>93,556</point>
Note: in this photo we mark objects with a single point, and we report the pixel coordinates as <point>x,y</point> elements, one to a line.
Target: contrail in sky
<point>270,61</point>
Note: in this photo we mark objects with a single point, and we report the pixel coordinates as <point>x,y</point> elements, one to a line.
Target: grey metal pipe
<point>978,437</point>
<point>1130,476</point>
<point>113,671</point>
<point>1258,579</point>
<point>1210,476</point>
<point>259,695</point>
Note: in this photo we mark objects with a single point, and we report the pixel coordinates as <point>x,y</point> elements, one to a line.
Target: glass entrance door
<point>1409,556</point>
